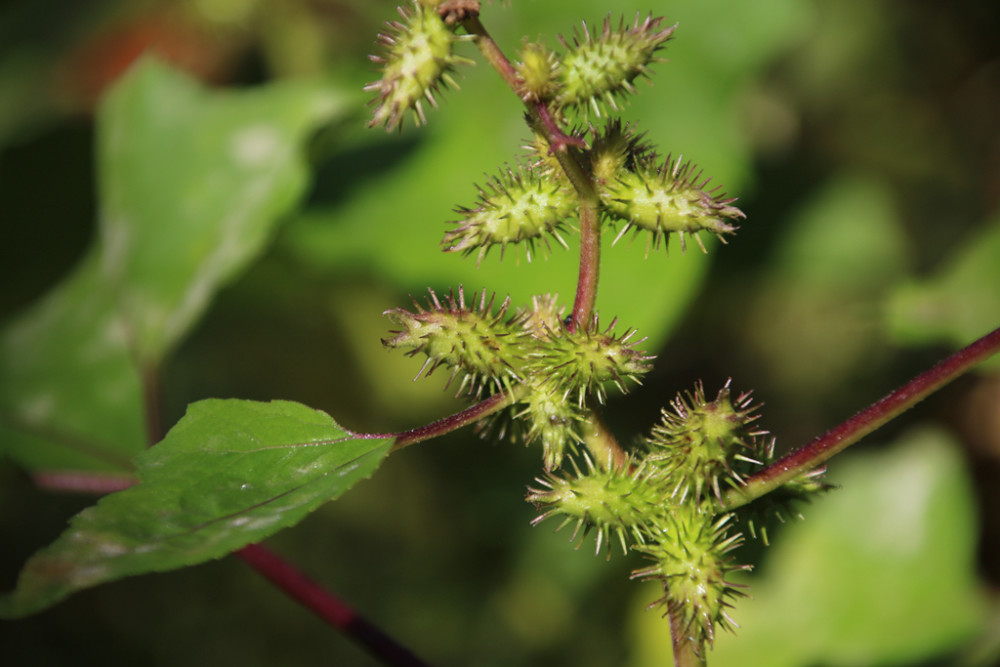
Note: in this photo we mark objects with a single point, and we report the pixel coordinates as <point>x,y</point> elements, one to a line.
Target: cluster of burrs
<point>664,503</point>
<point>535,202</point>
<point>549,371</point>
<point>665,499</point>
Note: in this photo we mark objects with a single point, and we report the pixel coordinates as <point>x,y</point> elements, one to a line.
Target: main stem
<point>837,439</point>
<point>564,148</point>
<point>590,261</point>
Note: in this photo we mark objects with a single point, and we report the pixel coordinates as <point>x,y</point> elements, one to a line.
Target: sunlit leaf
<point>230,473</point>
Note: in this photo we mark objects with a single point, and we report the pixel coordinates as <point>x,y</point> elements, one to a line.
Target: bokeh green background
<point>863,142</point>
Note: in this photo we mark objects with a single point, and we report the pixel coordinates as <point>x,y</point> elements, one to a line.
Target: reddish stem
<point>560,145</point>
<point>849,432</point>
<point>687,649</point>
<point>471,414</point>
<point>77,481</point>
<point>326,606</point>
<point>558,140</point>
<point>590,262</point>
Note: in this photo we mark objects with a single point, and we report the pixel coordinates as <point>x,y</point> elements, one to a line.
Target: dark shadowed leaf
<point>70,395</point>
<point>193,182</point>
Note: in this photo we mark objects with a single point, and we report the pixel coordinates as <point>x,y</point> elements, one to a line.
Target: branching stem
<point>810,456</point>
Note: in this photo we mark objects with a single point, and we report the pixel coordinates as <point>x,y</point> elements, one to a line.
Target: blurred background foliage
<point>863,142</point>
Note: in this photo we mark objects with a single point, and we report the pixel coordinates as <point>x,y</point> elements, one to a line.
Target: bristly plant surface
<point>231,472</point>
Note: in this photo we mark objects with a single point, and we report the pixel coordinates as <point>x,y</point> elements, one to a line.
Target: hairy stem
<point>327,606</point>
<point>806,458</point>
<point>688,652</point>
<point>590,261</point>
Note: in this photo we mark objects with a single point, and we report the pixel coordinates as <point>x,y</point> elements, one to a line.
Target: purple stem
<point>687,649</point>
<point>558,140</point>
<point>590,262</point>
<point>810,456</point>
<point>78,481</point>
<point>326,606</point>
<point>471,414</point>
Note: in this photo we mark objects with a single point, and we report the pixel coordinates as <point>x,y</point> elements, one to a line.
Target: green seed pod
<point>616,502</point>
<point>544,316</point>
<point>583,361</point>
<point>552,421</point>
<point>419,58</point>
<point>702,441</point>
<point>539,71</point>
<point>518,206</point>
<point>596,70</point>
<point>616,149</point>
<point>690,558</point>
<point>668,199</point>
<point>473,340</point>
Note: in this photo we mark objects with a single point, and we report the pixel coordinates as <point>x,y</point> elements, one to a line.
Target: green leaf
<point>230,473</point>
<point>959,303</point>
<point>192,184</point>
<point>193,181</point>
<point>882,571</point>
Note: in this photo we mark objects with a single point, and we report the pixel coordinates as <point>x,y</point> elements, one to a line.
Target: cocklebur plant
<point>231,473</point>
<point>540,374</point>
<point>547,372</point>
